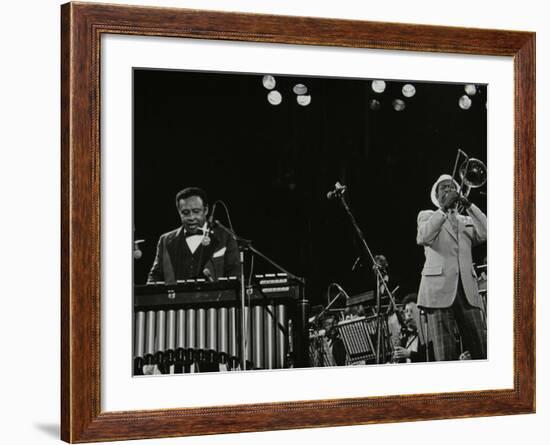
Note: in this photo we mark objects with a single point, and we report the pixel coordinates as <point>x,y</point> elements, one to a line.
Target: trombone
<point>472,172</point>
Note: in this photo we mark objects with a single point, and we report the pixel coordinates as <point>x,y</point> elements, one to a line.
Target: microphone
<point>341,291</point>
<point>339,190</point>
<point>211,216</point>
<point>137,251</point>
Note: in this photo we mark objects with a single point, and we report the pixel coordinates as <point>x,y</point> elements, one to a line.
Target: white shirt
<point>194,241</point>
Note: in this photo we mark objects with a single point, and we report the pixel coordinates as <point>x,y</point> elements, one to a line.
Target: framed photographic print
<point>254,205</point>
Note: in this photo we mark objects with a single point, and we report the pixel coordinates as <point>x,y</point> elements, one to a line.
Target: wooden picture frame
<point>82,26</point>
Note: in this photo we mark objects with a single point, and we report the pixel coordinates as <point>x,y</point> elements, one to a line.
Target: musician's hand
<point>401,353</point>
<point>449,199</point>
<point>465,356</point>
<point>464,202</point>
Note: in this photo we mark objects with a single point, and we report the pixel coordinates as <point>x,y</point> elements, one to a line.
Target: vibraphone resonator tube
<point>195,325</point>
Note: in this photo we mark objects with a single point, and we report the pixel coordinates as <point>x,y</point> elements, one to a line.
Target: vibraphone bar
<point>194,326</point>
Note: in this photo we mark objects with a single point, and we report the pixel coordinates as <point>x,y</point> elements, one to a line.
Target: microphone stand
<point>246,245</point>
<point>339,192</point>
<point>340,292</point>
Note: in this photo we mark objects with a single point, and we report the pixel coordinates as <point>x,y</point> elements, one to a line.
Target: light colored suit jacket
<point>448,254</point>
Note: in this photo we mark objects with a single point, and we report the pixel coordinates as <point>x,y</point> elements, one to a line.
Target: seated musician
<point>413,342</point>
<point>413,346</point>
<point>194,250</point>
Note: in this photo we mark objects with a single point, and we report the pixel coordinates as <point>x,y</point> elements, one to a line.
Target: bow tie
<point>196,232</point>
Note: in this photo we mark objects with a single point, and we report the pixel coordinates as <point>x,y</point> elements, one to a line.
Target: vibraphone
<point>195,325</point>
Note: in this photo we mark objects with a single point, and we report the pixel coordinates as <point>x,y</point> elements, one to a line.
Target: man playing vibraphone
<point>194,250</point>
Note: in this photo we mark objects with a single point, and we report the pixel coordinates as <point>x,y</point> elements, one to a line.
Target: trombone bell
<point>473,173</point>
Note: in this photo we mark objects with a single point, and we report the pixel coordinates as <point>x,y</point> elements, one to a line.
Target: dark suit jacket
<point>173,258</point>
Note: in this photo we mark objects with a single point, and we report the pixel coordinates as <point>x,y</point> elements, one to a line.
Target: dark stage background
<point>273,166</point>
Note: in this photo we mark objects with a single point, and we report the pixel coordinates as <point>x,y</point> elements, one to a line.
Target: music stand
<point>357,335</point>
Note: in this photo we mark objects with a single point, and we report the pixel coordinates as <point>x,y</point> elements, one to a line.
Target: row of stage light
<point>408,90</point>
<point>274,97</point>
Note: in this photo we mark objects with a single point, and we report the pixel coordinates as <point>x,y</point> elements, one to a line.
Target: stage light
<point>304,101</point>
<point>299,89</point>
<point>464,102</point>
<point>470,89</point>
<point>374,105</point>
<point>398,105</point>
<point>269,82</point>
<point>378,86</point>
<point>408,90</point>
<point>274,97</point>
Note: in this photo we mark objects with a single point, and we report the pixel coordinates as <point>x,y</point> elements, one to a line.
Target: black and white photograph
<point>287,221</point>
<point>232,221</point>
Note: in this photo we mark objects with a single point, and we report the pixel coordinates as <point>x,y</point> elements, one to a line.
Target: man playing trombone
<point>448,290</point>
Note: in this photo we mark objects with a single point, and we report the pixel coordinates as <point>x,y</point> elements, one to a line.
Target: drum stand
<point>245,245</point>
<point>339,192</point>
